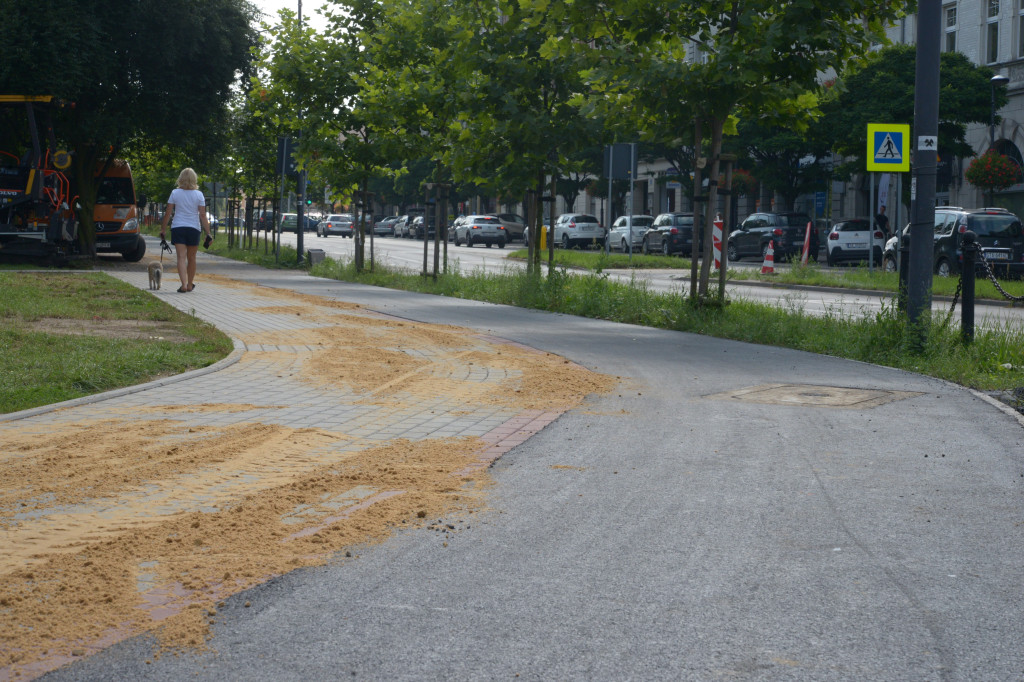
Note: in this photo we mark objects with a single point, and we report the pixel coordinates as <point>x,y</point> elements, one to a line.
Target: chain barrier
<point>956,295</point>
<point>991,276</point>
<point>995,282</point>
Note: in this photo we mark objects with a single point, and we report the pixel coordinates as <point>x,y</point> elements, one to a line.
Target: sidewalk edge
<point>232,358</point>
<point>999,405</point>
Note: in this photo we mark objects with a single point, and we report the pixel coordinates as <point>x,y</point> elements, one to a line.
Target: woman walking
<point>187,205</point>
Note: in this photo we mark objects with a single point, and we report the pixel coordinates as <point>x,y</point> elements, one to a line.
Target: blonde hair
<point>187,179</point>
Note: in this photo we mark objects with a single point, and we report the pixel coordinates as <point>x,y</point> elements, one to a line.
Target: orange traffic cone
<point>769,260</point>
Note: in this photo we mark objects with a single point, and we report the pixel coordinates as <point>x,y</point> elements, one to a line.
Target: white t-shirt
<point>186,207</point>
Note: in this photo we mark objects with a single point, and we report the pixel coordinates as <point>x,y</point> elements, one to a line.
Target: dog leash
<point>164,246</point>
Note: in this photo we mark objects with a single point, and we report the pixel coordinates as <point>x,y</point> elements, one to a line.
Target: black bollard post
<point>969,246</point>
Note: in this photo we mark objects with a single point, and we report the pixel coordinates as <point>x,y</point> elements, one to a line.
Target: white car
<point>578,229</point>
<point>629,231</point>
<point>480,229</point>
<point>849,238</point>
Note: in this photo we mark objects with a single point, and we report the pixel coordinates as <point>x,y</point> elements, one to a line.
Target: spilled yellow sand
<point>118,526</point>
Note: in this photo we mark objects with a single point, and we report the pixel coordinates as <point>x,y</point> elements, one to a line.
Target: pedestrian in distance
<point>186,211</point>
<point>882,222</point>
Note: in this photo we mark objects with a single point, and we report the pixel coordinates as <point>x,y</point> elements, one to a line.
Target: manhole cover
<point>814,396</point>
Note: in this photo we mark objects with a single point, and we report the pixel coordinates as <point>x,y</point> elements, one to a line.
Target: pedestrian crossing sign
<point>888,147</point>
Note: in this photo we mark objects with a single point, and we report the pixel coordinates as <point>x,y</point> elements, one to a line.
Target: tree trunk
<point>712,200</point>
<point>694,250</point>
<point>726,222</point>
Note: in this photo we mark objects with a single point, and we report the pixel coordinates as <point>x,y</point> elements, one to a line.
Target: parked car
<point>289,222</point>
<point>546,227</point>
<point>786,231</point>
<point>1000,236</point>
<point>515,225</point>
<point>417,227</point>
<point>480,229</point>
<point>670,233</point>
<point>849,240</point>
<point>342,224</point>
<point>578,229</point>
<point>385,227</point>
<point>403,228</point>
<point>401,225</point>
<point>264,221</point>
<point>631,228</point>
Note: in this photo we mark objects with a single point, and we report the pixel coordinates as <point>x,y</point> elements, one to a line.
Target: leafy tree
<point>133,68</point>
<point>784,160</point>
<point>754,58</point>
<point>579,170</point>
<point>881,90</point>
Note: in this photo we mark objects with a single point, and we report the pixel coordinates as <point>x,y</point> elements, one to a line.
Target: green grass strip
<point>42,367</point>
<point>994,361</point>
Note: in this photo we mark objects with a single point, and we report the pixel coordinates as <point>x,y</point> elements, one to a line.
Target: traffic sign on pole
<point>888,147</point>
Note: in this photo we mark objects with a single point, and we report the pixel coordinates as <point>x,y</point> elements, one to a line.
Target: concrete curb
<point>845,290</point>
<point>231,359</point>
<point>999,405</point>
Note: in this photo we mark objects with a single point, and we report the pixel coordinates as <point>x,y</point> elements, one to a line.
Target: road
<point>731,511</point>
<point>408,254</point>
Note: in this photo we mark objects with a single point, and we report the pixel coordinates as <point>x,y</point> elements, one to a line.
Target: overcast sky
<point>309,16</point>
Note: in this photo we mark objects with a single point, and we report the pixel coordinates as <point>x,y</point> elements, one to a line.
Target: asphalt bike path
<point>728,511</point>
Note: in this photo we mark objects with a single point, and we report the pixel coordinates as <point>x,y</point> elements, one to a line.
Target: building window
<point>1020,29</point>
<point>950,44</point>
<point>991,37</point>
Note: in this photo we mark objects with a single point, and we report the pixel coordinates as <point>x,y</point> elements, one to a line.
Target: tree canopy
<point>133,68</point>
<point>881,90</point>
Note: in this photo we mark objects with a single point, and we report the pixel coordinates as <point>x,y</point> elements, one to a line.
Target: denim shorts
<point>189,236</point>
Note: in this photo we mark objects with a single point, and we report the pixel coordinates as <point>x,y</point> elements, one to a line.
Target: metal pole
<point>728,160</point>
<point>551,227</point>
<point>992,116</point>
<point>610,219</point>
<point>994,81</point>
<point>300,213</point>
<point>897,229</point>
<point>922,189</point>
<point>437,230</point>
<point>629,209</point>
<point>444,215</point>
<point>426,214</point>
<point>871,223</point>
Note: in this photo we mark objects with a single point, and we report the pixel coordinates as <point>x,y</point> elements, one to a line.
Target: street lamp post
<point>1000,80</point>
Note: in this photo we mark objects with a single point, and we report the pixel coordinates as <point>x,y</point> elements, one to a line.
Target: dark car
<point>1000,236</point>
<point>416,229</point>
<point>785,231</point>
<point>670,233</point>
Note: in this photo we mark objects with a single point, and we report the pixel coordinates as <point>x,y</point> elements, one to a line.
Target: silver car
<point>578,229</point>
<point>628,232</point>
<point>341,224</point>
<point>515,225</point>
<point>480,229</point>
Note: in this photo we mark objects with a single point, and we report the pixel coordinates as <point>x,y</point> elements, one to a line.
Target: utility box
<point>314,256</point>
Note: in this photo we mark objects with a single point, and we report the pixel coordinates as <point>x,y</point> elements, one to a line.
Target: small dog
<point>156,273</point>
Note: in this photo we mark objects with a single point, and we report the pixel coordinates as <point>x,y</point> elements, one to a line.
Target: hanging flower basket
<point>993,172</point>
